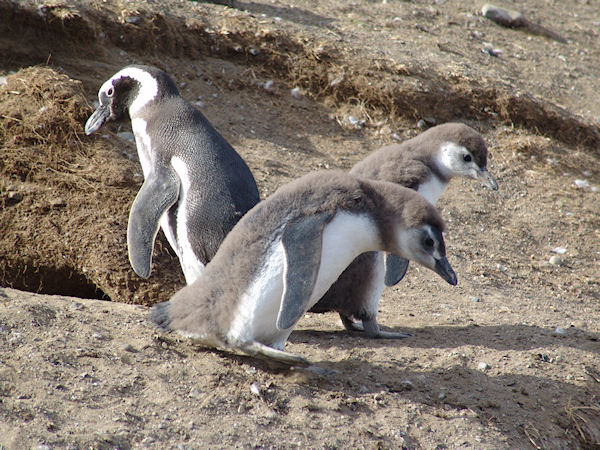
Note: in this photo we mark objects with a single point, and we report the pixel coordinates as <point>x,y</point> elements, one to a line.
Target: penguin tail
<point>159,314</point>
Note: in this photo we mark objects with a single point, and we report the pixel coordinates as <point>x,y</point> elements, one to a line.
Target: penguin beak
<point>443,269</point>
<point>97,119</point>
<point>487,179</point>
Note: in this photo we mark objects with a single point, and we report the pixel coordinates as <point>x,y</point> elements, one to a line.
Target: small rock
<point>78,306</point>
<point>199,103</point>
<point>254,51</point>
<point>183,85</point>
<point>98,336</point>
<point>495,52</point>
<point>13,198</point>
<point>504,17</point>
<point>560,330</point>
<point>129,348</point>
<point>57,202</point>
<point>255,389</point>
<point>296,93</point>
<point>268,85</point>
<point>195,392</point>
<point>559,250</point>
<point>475,299</point>
<point>164,345</point>
<point>126,135</point>
<point>441,396</point>
<point>407,385</point>
<point>582,184</point>
<point>483,366</point>
<point>556,260</point>
<point>134,20</point>
<point>3,80</point>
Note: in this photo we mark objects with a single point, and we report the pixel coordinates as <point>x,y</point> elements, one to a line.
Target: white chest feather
<point>256,314</point>
<point>192,267</point>
<point>143,143</point>
<point>432,189</point>
<point>344,238</point>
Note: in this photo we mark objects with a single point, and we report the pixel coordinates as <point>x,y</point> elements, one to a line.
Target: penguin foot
<point>374,332</point>
<point>261,351</point>
<point>350,325</point>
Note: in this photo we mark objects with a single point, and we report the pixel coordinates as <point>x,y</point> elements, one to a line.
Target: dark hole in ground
<point>53,281</point>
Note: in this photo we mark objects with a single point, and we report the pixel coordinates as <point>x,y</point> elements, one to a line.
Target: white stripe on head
<point>148,87</point>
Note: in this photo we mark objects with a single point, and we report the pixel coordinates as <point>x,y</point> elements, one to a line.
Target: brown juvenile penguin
<point>425,163</point>
<point>287,251</point>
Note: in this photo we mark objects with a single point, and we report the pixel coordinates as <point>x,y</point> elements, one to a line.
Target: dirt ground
<point>509,358</point>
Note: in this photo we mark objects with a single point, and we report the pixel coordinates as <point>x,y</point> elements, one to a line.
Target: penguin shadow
<point>533,405</point>
<point>498,337</point>
<point>507,399</point>
<point>296,15</point>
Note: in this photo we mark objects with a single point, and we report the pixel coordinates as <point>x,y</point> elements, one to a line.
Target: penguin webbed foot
<point>371,328</point>
<point>373,331</point>
<point>261,351</point>
<point>351,325</point>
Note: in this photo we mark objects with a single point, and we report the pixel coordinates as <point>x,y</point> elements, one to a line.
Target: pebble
<point>559,250</point>
<point>134,20</point>
<point>426,122</point>
<point>268,85</point>
<point>3,80</point>
<point>495,52</point>
<point>483,366</point>
<point>504,17</point>
<point>195,392</point>
<point>126,135</point>
<point>407,385</point>
<point>129,348</point>
<point>254,51</point>
<point>556,260</point>
<point>475,299</point>
<point>14,197</point>
<point>582,184</point>
<point>560,330</point>
<point>255,389</point>
<point>296,93</point>
<point>199,103</point>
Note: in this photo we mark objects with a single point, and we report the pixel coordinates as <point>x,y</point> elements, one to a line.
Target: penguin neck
<point>432,188</point>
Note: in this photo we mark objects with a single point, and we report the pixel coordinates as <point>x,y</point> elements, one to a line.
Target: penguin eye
<point>428,243</point>
<point>110,92</point>
<point>467,158</point>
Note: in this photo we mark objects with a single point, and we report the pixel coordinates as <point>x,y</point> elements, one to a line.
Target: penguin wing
<point>395,269</point>
<point>302,241</point>
<point>158,193</point>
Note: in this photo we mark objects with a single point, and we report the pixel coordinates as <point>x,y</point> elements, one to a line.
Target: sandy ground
<point>509,358</point>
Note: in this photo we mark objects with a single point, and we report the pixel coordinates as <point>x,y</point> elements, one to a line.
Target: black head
<point>128,91</point>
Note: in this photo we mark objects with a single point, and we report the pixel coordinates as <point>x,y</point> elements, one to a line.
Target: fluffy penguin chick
<point>287,251</point>
<point>426,164</point>
<point>196,187</point>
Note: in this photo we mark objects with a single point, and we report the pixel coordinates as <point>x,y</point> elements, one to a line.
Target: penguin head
<point>462,152</point>
<point>409,226</point>
<point>425,244</point>
<point>129,91</point>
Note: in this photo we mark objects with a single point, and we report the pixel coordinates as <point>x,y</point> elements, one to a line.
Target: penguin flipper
<point>395,269</point>
<point>302,242</point>
<point>158,193</point>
